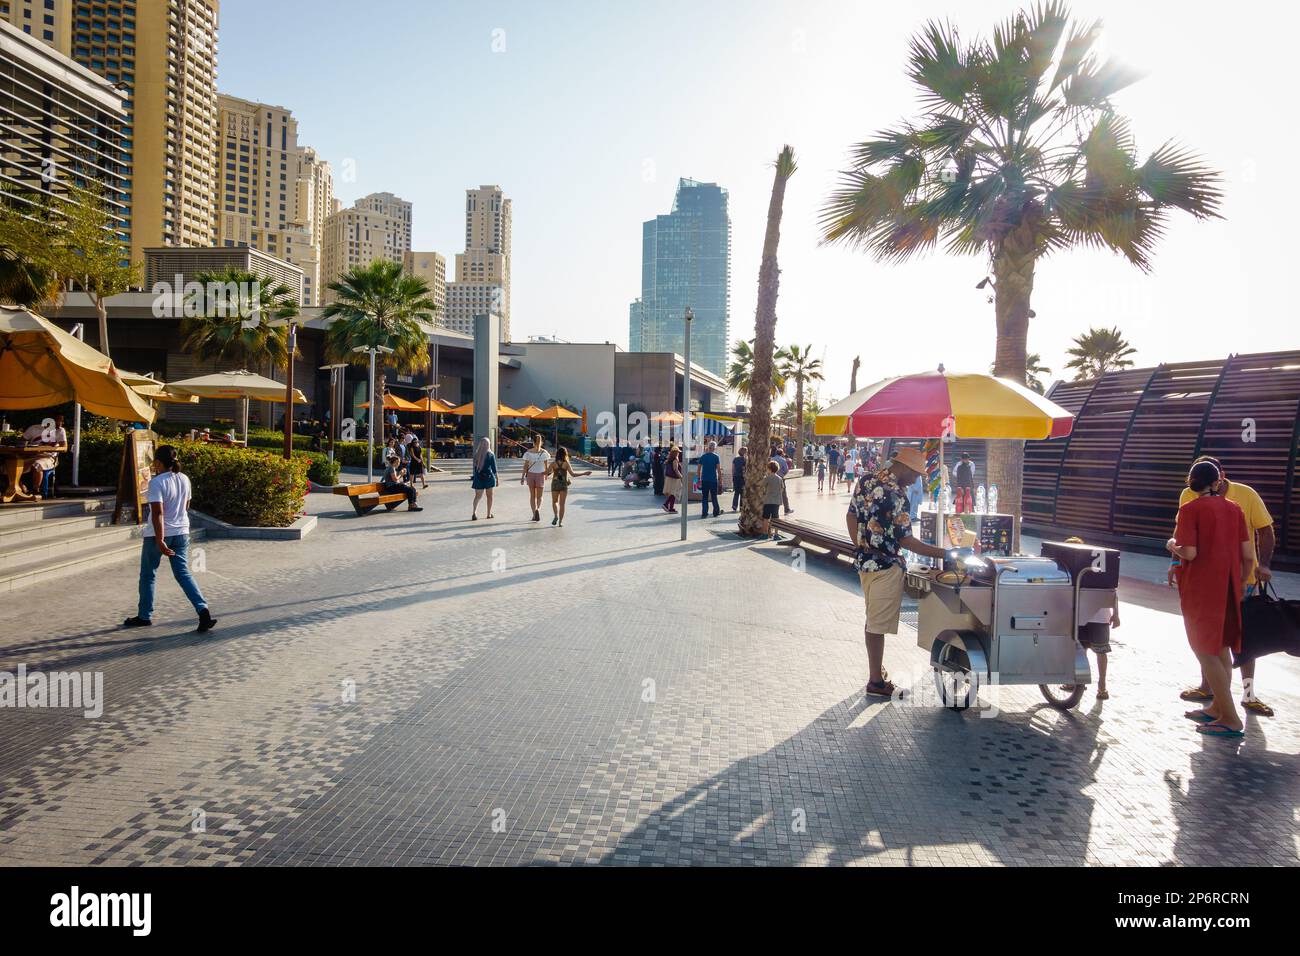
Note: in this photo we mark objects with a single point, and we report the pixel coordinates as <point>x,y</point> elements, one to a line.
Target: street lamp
<point>373,350</point>
<point>428,438</point>
<point>335,401</point>
<point>686,424</point>
<point>288,393</point>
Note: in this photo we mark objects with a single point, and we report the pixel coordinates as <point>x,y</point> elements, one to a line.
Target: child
<point>821,474</point>
<point>1095,637</point>
<point>773,489</point>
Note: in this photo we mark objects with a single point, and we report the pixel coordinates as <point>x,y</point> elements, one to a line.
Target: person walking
<point>484,477</point>
<point>821,475</point>
<point>1215,551</point>
<point>611,456</point>
<point>657,470</point>
<point>562,475</point>
<point>167,534</point>
<point>672,479</point>
<point>782,467</point>
<point>737,479</point>
<point>773,491</point>
<point>833,460</point>
<point>710,480</point>
<point>536,461</point>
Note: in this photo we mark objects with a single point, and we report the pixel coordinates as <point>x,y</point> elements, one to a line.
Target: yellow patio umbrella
<point>397,404</point>
<point>243,385</point>
<point>530,411</point>
<point>554,414</point>
<point>41,366</point>
<point>159,392</point>
<point>503,411</point>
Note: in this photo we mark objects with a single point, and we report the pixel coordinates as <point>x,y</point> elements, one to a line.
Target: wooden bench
<point>808,532</point>
<point>366,498</point>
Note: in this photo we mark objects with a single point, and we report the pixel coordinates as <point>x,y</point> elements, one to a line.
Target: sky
<point>587,113</point>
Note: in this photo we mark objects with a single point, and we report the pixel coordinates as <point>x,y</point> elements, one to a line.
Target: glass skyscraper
<point>686,261</point>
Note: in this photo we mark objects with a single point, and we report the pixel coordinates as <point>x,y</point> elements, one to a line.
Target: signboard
<point>133,477</point>
<point>986,533</point>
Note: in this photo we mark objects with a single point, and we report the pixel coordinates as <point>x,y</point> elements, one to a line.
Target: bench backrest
<point>353,490</point>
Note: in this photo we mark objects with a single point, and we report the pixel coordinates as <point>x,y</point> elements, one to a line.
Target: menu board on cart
<point>133,477</point>
<point>987,533</point>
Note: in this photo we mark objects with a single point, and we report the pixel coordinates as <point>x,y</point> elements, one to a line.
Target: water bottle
<point>980,501</point>
<point>946,496</point>
<point>993,499</point>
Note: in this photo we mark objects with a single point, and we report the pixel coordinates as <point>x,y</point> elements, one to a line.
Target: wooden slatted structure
<point>1160,445</point>
<point>1042,469</point>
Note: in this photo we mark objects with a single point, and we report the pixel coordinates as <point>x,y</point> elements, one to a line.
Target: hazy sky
<point>586,113</point>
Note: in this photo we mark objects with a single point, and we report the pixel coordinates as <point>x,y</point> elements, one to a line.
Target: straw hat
<point>912,458</point>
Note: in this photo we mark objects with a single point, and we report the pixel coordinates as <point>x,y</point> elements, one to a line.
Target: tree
<point>761,382</point>
<point>92,254</point>
<point>1097,352</point>
<point>1033,370</point>
<point>240,318</point>
<point>379,305</point>
<point>740,373</point>
<point>799,366</point>
<point>853,375</point>
<point>1019,154</point>
<point>29,277</point>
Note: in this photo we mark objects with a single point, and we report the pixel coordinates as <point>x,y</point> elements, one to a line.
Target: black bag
<point>1269,625</point>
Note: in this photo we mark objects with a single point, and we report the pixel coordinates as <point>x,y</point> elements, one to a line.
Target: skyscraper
<point>377,226</point>
<point>483,269</point>
<point>432,268</point>
<point>635,317</point>
<point>274,193</point>
<point>686,262</point>
<point>163,55</point>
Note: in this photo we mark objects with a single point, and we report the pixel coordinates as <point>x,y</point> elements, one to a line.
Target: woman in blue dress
<point>484,478</point>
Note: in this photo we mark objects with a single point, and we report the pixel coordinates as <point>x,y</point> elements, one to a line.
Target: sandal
<point>1219,730</point>
<point>1103,695</point>
<point>1196,695</point>
<point>1258,707</point>
<point>883,689</point>
<point>1200,716</point>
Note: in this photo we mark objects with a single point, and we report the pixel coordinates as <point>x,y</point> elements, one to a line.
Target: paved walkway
<point>417,688</point>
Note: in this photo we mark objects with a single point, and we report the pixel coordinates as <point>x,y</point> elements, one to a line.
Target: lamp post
<point>288,393</point>
<point>335,371</point>
<point>428,438</point>
<point>79,330</point>
<point>686,424</point>
<point>370,418</point>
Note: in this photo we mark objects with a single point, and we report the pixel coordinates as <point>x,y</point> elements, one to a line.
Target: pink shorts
<point>536,479</point>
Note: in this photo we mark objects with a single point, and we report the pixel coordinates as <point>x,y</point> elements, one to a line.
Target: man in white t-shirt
<point>167,534</point>
<point>43,433</point>
<point>537,461</point>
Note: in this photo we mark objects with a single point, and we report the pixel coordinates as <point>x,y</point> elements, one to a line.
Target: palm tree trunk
<point>760,390</point>
<point>102,312</point>
<point>798,414</point>
<point>1013,269</point>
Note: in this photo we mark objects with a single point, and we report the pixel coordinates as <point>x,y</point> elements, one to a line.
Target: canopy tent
<point>711,427</point>
<point>42,366</point>
<point>238,384</point>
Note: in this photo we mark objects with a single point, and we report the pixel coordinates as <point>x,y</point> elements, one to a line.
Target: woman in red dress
<point>1216,551</point>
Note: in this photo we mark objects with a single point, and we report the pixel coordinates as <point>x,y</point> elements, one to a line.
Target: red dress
<point>1209,587</point>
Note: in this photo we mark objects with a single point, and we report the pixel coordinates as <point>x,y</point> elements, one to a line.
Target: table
<point>16,459</point>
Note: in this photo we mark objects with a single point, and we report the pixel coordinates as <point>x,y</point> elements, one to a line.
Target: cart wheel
<point>956,689</point>
<point>1059,699</point>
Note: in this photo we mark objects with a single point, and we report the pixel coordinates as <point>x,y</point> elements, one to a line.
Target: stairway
<point>61,537</point>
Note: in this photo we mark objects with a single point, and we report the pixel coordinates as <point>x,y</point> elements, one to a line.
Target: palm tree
<point>1019,154</point>
<point>240,318</point>
<point>761,382</point>
<point>29,277</point>
<point>740,373</point>
<point>1097,352</point>
<point>379,305</point>
<point>799,366</point>
<point>1033,370</point>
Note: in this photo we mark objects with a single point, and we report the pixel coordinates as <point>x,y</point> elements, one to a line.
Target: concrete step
<point>35,512</point>
<point>50,547</point>
<point>26,532</point>
<point>97,549</point>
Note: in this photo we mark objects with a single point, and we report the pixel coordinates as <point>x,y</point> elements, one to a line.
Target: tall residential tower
<point>483,269</point>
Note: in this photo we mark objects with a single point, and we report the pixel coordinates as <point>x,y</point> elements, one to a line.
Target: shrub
<point>321,470</point>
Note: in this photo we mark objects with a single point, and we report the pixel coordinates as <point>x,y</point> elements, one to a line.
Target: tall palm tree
<point>1019,154</point>
<point>761,383</point>
<point>1097,352</point>
<point>379,305</point>
<point>740,373</point>
<point>799,366</point>
<point>239,317</point>
<point>1034,371</point>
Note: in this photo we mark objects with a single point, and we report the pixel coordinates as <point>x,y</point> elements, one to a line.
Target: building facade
<point>432,268</point>
<point>63,126</point>
<point>49,21</point>
<point>635,317</point>
<point>483,269</point>
<point>686,262</point>
<point>378,226</point>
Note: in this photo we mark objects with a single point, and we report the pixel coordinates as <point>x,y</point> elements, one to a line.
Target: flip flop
<point>1258,707</point>
<point>1196,695</point>
<point>1200,716</point>
<point>1219,730</point>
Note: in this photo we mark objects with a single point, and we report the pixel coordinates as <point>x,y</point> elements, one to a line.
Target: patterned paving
<point>421,689</point>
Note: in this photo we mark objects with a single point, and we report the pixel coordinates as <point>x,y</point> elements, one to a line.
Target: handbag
<point>1269,625</point>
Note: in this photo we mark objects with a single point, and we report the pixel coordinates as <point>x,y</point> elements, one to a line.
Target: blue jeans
<point>709,492</point>
<point>151,556</point>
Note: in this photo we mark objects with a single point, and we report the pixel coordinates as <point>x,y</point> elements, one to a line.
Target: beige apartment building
<point>432,268</point>
<point>162,55</point>
<point>274,193</point>
<point>378,226</point>
<point>483,269</point>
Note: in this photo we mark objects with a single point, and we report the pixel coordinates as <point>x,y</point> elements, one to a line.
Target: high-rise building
<point>62,128</point>
<point>163,55</point>
<point>432,268</point>
<point>274,193</point>
<point>378,226</point>
<point>49,21</point>
<point>635,316</point>
<point>483,269</point>
<point>686,262</point>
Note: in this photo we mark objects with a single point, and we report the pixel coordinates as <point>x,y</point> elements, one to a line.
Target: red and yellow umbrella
<point>938,404</point>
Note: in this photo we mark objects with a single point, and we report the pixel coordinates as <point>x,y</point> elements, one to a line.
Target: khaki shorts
<point>536,479</point>
<point>883,591</point>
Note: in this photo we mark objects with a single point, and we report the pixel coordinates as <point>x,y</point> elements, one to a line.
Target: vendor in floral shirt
<point>880,524</point>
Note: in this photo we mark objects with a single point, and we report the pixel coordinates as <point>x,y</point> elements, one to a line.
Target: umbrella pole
<point>245,421</point>
<point>939,529</point>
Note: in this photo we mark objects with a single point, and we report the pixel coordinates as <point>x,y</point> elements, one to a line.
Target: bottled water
<point>993,499</point>
<point>947,499</point>
<point>980,501</point>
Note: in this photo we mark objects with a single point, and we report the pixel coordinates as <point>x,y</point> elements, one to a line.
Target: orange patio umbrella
<point>397,404</point>
<point>503,411</point>
<point>554,414</point>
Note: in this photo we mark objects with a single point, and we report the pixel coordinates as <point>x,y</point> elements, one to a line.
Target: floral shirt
<point>880,505</point>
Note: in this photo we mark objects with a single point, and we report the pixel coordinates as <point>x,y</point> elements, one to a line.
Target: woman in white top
<point>536,461</point>
<point>167,532</point>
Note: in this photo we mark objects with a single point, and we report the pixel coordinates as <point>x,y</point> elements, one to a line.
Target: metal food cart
<point>1007,620</point>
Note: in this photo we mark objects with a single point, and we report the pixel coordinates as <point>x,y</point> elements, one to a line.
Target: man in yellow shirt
<point>1260,523</point>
